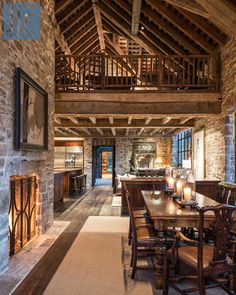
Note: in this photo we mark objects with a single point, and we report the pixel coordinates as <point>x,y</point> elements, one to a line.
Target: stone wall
<point>124,151</point>
<point>219,130</point>
<point>214,146</point>
<point>36,58</point>
<point>88,160</point>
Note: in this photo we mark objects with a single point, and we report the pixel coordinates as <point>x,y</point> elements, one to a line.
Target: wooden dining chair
<point>208,260</point>
<point>144,239</point>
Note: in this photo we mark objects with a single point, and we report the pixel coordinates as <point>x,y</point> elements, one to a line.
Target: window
<point>184,146</point>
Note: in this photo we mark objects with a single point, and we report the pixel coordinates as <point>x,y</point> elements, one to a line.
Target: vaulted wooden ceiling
<point>130,27</point>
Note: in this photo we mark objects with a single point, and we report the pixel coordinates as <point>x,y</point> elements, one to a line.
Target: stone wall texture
<point>37,59</point>
<point>124,151</point>
<point>88,160</point>
<point>219,130</point>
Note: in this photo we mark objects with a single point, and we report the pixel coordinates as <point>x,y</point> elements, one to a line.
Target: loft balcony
<point>137,73</point>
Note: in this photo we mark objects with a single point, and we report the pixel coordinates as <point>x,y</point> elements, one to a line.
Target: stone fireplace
<point>22,212</point>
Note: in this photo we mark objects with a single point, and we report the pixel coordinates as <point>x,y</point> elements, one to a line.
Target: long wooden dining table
<point>165,213</point>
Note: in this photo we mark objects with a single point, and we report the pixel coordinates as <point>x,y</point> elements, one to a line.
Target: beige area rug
<point>116,202</point>
<point>98,263</point>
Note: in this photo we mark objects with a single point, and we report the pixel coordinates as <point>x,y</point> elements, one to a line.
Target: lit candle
<point>179,187</point>
<point>171,183</point>
<point>187,194</point>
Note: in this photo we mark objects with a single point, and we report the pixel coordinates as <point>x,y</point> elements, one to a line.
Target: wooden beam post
<point>98,21</point>
<point>136,10</point>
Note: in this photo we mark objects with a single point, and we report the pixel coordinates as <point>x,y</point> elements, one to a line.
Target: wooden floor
<point>96,202</point>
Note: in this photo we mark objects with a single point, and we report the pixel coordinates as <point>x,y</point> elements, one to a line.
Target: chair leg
<point>202,290</point>
<point>130,232</point>
<point>131,261</point>
<point>134,260</point>
<point>234,283</point>
<point>166,276</point>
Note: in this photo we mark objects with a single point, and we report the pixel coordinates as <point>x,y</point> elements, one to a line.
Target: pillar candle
<point>187,194</point>
<point>171,183</point>
<point>179,187</point>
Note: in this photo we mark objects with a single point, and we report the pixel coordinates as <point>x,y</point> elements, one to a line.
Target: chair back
<point>131,214</point>
<point>159,184</point>
<point>220,229</point>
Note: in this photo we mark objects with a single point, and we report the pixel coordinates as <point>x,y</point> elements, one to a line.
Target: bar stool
<point>79,184</point>
<point>84,181</point>
<point>74,186</point>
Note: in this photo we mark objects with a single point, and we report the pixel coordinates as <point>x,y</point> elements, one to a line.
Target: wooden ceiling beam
<point>60,5</point>
<point>63,45</point>
<point>99,130</point>
<point>222,14</point>
<point>166,120</point>
<point>73,120</point>
<point>178,22</point>
<point>160,22</point>
<point>88,44</point>
<point>122,123</point>
<point>140,131</point>
<point>68,11</point>
<point>113,131</point>
<point>130,120</point>
<point>87,131</point>
<point>82,23</point>
<point>154,131</point>
<point>98,21</point>
<point>84,39</point>
<point>189,5</point>
<point>93,120</point>
<point>184,120</point>
<point>58,130</point>
<point>114,108</point>
<point>136,11</point>
<point>127,132</point>
<point>68,25</point>
<point>117,21</point>
<point>208,28</point>
<point>111,120</point>
<point>57,120</point>
<point>148,120</point>
<point>81,34</point>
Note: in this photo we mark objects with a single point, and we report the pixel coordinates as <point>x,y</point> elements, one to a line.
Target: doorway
<point>103,165</point>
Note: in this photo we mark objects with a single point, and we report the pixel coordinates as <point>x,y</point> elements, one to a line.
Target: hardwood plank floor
<point>96,202</point>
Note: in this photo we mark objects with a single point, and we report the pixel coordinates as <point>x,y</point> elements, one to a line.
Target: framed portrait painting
<point>31,124</point>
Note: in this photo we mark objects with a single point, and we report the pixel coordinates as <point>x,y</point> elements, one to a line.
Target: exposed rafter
<point>100,131</point>
<point>98,21</point>
<point>140,131</point>
<point>113,131</point>
<point>57,120</point>
<point>148,120</point>
<point>222,13</point>
<point>73,120</point>
<point>87,131</point>
<point>111,120</point>
<point>189,5</point>
<point>93,120</point>
<point>184,120</point>
<point>136,11</point>
<point>166,120</point>
<point>122,123</point>
<point>117,21</point>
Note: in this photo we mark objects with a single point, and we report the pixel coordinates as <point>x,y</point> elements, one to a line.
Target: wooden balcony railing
<point>138,72</point>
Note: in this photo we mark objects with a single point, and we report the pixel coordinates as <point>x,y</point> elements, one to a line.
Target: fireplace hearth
<point>22,212</point>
